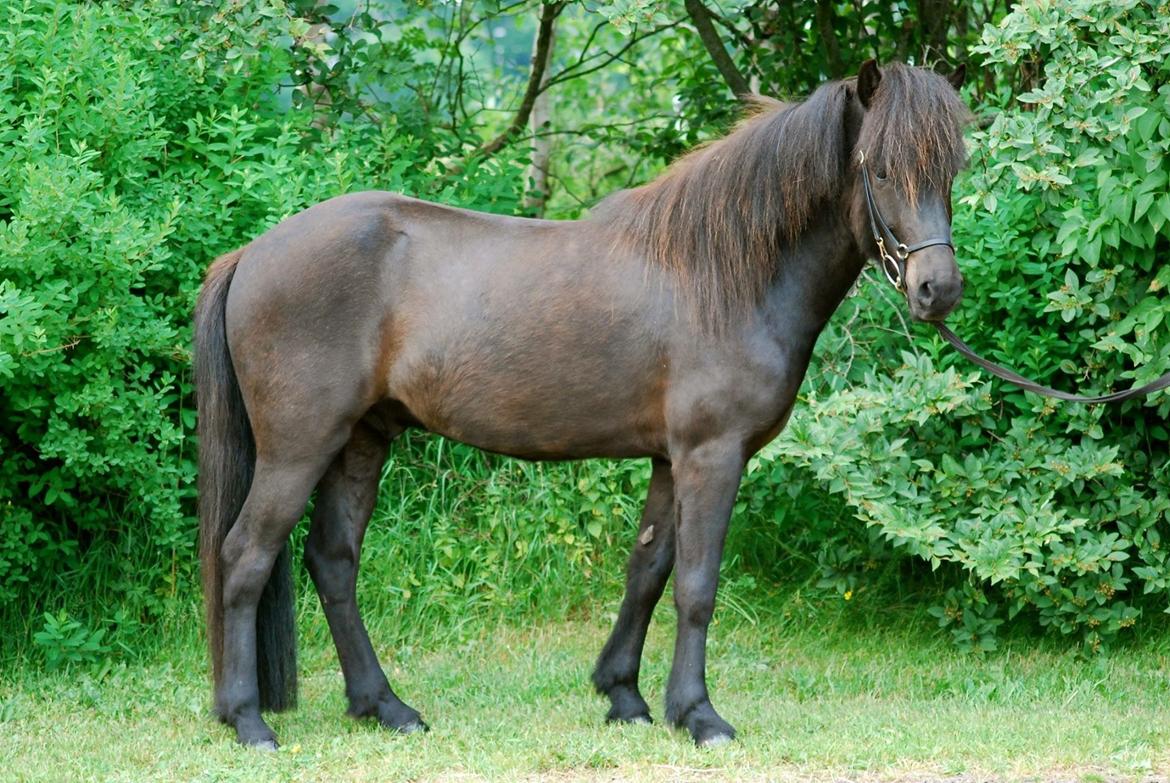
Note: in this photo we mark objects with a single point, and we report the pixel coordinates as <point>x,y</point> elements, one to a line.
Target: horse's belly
<point>564,409</point>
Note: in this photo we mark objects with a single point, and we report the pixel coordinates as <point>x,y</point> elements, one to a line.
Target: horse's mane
<point>719,217</point>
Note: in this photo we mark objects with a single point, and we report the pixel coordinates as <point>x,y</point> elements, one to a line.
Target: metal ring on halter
<point>888,263</point>
<point>895,279</point>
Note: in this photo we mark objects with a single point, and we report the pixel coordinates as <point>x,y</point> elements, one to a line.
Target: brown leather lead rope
<point>1032,386</point>
<point>894,265</point>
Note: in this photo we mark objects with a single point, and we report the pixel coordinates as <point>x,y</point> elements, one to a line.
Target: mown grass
<point>489,588</point>
<point>818,692</point>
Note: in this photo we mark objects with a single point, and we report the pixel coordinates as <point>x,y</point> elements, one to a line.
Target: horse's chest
<point>747,395</point>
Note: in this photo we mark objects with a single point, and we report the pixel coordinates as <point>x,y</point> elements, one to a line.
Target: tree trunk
<point>541,145</point>
<point>701,18</point>
<point>934,21</point>
<point>826,26</point>
<point>540,58</point>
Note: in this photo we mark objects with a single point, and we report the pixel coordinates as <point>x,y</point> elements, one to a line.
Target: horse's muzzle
<point>934,285</point>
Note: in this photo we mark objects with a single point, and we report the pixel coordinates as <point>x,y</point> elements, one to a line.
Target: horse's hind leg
<point>345,500</point>
<point>616,673</point>
<point>275,503</point>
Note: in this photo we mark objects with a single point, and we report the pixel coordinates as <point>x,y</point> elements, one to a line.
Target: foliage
<point>1058,512</point>
<point>461,536</point>
<point>621,124</point>
<point>64,640</point>
<point>90,359</point>
<point>123,171</point>
<point>139,141</point>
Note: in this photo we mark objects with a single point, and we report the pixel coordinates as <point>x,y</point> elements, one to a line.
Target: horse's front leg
<point>706,479</point>
<point>651,560</point>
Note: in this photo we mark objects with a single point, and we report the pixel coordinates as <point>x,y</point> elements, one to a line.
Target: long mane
<point>720,217</point>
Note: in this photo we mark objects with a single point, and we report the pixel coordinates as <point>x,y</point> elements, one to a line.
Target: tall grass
<point>462,539</point>
<point>460,536</point>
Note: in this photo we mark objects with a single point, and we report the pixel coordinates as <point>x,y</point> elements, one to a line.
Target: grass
<point>819,688</point>
<point>835,692</point>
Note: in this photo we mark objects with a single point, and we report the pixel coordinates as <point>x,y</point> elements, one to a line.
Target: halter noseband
<point>894,265</point>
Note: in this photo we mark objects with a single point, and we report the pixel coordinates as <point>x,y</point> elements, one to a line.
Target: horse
<point>674,323</point>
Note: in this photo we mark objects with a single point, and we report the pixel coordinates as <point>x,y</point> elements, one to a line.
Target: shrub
<point>461,537</point>
<point>124,169</point>
<point>64,640</point>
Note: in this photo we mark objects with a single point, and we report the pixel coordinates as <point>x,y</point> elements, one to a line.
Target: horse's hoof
<point>395,716</point>
<point>627,706</point>
<point>642,719</point>
<point>711,731</point>
<point>414,727</point>
<point>707,729</point>
<point>714,741</point>
<point>253,732</point>
<point>265,745</point>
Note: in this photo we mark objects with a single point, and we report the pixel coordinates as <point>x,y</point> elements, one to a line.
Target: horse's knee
<point>694,599</point>
<point>247,555</point>
<point>659,562</point>
<point>245,578</point>
<point>652,560</point>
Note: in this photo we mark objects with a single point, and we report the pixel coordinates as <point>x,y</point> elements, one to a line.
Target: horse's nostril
<point>925,292</point>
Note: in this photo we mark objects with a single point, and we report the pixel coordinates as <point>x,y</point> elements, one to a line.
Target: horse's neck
<point>813,276</point>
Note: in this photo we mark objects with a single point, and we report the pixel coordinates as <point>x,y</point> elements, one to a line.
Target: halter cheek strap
<point>893,263</point>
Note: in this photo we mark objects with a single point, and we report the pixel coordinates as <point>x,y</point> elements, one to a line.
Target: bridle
<point>894,266</point>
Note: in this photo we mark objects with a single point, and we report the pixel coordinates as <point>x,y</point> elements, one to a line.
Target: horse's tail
<point>227,458</point>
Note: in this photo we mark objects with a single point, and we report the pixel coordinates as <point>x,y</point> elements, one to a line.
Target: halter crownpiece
<point>893,264</point>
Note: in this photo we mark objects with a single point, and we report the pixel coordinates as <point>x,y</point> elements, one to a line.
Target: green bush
<point>137,142</point>
<point>1053,510</point>
<point>461,537</point>
<point>64,640</point>
<point>92,346</point>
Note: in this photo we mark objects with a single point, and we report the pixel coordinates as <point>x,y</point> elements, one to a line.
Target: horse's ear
<point>868,79</point>
<point>958,76</point>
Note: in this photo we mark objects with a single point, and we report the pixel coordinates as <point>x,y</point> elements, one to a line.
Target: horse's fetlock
<point>683,698</point>
<point>368,704</point>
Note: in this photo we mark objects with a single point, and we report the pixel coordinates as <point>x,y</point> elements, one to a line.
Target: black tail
<point>227,456</point>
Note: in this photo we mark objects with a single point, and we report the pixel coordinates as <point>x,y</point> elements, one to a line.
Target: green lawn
<point>837,697</point>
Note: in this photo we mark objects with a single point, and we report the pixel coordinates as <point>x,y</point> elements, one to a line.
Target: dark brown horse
<point>676,323</point>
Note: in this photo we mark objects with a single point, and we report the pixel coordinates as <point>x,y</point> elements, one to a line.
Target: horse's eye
<point>881,175</point>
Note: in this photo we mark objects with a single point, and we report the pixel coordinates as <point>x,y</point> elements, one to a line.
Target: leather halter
<point>894,266</point>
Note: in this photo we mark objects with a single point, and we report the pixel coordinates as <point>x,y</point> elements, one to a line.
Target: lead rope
<point>1032,386</point>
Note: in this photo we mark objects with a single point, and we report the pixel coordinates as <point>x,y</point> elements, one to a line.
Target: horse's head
<point>908,123</point>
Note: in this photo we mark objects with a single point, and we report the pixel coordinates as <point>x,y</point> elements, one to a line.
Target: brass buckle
<point>888,262</point>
